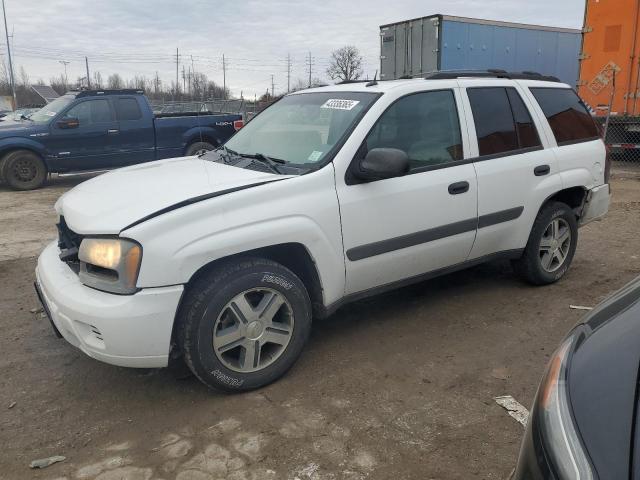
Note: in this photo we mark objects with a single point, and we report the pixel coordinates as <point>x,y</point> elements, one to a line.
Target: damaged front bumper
<point>125,330</point>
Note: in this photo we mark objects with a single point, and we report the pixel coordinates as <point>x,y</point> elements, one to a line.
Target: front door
<point>403,227</point>
<point>92,144</point>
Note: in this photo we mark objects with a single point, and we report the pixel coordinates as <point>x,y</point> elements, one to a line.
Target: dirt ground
<point>398,386</point>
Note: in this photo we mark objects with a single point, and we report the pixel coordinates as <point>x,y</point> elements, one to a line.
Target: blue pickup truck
<point>102,129</point>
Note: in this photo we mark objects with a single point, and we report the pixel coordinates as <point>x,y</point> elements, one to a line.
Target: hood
<point>19,128</point>
<point>109,203</point>
<point>603,379</point>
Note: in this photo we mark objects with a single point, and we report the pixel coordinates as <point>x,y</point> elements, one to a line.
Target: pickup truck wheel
<point>24,170</point>
<point>244,325</point>
<point>199,148</point>
<point>551,246</point>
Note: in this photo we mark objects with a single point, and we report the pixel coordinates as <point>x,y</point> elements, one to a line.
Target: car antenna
<point>374,81</point>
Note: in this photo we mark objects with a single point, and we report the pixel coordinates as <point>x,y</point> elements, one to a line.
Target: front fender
<point>179,243</point>
<point>22,143</point>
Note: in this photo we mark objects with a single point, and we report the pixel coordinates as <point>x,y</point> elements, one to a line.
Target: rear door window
<point>503,122</point>
<point>526,130</point>
<point>492,115</point>
<point>568,117</point>
<point>128,109</point>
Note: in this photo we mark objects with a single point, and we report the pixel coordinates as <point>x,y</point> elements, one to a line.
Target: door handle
<point>458,188</point>
<point>113,131</point>
<point>541,170</point>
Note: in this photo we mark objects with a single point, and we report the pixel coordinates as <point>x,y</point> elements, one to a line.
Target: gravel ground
<point>398,386</point>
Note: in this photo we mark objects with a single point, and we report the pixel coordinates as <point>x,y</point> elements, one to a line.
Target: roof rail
<point>122,91</point>
<point>492,73</point>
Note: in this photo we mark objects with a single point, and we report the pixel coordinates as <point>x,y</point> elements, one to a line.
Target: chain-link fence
<point>245,107</point>
<point>623,139</point>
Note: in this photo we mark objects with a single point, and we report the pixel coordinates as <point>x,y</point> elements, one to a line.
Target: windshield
<point>302,129</point>
<point>50,110</point>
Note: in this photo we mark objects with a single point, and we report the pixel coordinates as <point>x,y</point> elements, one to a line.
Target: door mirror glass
<point>68,122</point>
<point>382,163</point>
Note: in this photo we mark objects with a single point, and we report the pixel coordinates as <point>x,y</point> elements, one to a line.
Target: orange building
<point>611,48</point>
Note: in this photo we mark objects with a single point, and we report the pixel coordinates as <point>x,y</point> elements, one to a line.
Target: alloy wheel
<point>555,245</point>
<point>253,330</point>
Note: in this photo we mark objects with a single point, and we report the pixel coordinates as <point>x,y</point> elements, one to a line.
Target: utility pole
<point>184,80</point>
<point>310,63</point>
<point>272,86</point>
<point>6,31</point>
<point>288,73</point>
<point>65,63</point>
<point>224,77</point>
<point>86,64</point>
<point>177,79</point>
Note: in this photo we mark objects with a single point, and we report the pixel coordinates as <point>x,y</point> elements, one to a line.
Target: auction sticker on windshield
<point>340,104</point>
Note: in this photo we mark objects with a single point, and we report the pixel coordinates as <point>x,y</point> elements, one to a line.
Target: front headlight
<point>559,435</point>
<point>110,264</point>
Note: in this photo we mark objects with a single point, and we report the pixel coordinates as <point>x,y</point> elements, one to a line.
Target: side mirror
<point>382,163</point>
<point>67,123</point>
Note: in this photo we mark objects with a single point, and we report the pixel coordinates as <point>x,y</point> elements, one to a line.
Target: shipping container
<point>610,72</point>
<point>611,46</point>
<point>441,42</point>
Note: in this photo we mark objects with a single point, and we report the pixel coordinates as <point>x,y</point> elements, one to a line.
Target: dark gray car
<point>583,423</point>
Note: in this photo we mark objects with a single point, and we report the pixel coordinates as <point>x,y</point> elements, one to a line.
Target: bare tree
<point>115,81</point>
<point>96,83</point>
<point>346,64</point>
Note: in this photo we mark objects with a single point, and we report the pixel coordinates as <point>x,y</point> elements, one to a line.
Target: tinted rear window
<point>128,109</point>
<point>527,133</point>
<point>494,121</point>
<point>567,115</point>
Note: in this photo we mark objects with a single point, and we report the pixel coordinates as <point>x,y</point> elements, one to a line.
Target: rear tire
<point>551,246</point>
<point>244,324</point>
<point>23,170</point>
<point>199,148</point>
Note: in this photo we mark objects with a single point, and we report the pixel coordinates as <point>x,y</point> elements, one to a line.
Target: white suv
<point>328,196</point>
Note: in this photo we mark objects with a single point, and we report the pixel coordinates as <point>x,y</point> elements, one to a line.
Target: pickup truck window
<point>503,123</point>
<point>90,112</point>
<point>567,115</point>
<point>302,129</point>
<point>128,109</point>
<point>424,125</point>
<point>46,113</point>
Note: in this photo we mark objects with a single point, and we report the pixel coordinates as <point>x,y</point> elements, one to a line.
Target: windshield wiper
<point>271,162</point>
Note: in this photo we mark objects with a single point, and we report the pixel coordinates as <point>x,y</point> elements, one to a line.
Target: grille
<point>69,243</point>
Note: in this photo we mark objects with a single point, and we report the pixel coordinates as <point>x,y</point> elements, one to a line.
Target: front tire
<point>23,170</point>
<point>551,246</point>
<point>243,325</point>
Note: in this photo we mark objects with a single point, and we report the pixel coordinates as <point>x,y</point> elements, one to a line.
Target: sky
<point>141,36</point>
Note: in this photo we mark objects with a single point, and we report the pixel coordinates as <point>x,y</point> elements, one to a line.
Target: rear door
<point>136,136</point>
<point>403,227</point>
<point>516,168</point>
<point>90,145</point>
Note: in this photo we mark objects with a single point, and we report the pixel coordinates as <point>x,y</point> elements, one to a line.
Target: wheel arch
<point>574,197</point>
<point>200,134</point>
<point>293,256</point>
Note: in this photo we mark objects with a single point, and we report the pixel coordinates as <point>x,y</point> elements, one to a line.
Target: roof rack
<point>122,91</point>
<point>492,73</point>
<point>347,82</point>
